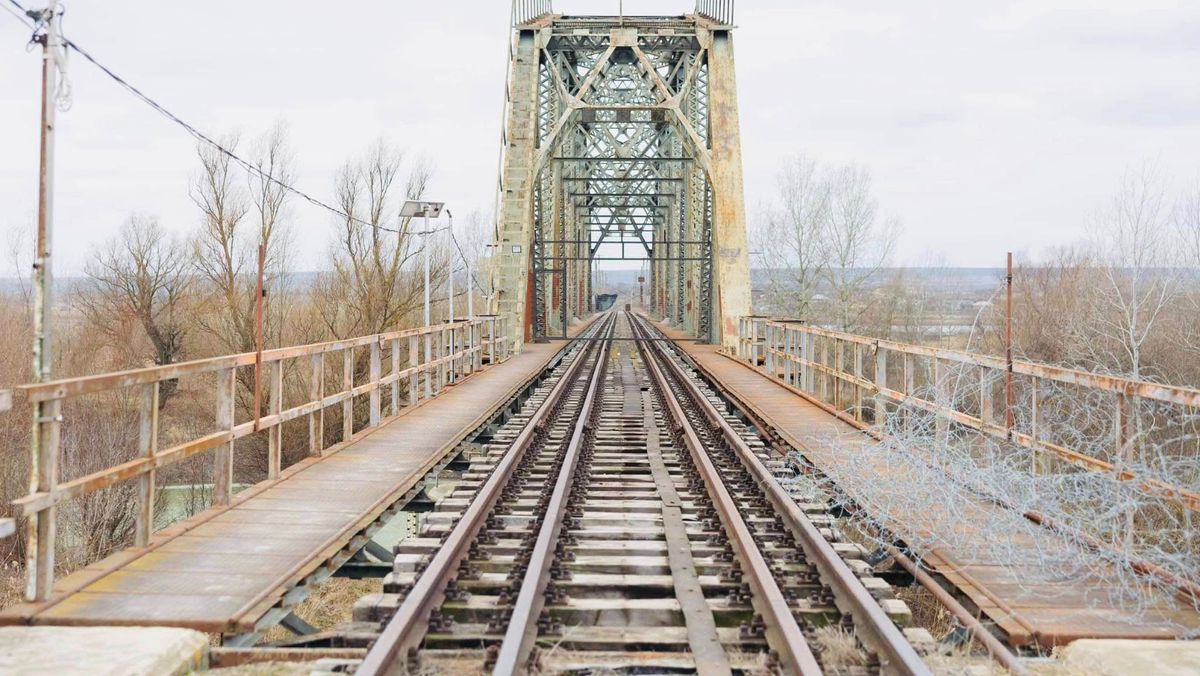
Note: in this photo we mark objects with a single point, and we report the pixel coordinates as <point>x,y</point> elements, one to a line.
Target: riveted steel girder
<point>622,132</point>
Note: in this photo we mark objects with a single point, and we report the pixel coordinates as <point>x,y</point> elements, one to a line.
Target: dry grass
<point>838,649</point>
<point>329,605</point>
<point>927,611</point>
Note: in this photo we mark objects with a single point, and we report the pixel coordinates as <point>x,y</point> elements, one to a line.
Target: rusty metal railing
<point>436,356</point>
<point>720,11</point>
<point>860,379</point>
<point>527,11</point>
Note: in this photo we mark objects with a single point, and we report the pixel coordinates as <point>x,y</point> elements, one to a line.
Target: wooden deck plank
<point>1018,597</point>
<point>227,566</point>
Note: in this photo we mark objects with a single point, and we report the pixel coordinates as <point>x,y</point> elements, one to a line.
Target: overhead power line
<point>207,140</point>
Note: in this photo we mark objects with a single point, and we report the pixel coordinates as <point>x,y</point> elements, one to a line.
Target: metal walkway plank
<point>221,570</point>
<point>1009,593</point>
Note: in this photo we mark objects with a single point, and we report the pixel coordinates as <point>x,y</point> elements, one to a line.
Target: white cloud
<point>989,126</point>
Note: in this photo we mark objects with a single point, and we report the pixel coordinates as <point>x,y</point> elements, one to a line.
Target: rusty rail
<point>823,364</point>
<point>407,627</point>
<point>878,632</point>
<point>474,342</point>
<point>515,649</point>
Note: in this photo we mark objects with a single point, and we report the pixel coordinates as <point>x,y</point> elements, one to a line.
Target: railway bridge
<point>660,487</point>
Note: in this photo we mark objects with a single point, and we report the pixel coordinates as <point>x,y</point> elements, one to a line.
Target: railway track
<point>623,520</point>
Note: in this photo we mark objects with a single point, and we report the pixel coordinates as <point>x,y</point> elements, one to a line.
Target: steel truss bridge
<point>548,488</point>
<point>621,142</point>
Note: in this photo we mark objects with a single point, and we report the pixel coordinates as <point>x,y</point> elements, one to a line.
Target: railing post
<point>825,374</point>
<point>910,381</point>
<point>941,421</point>
<point>223,463</point>
<point>316,392</point>
<point>439,346</point>
<point>395,370</point>
<point>414,351</point>
<point>428,358</point>
<point>987,414</point>
<point>880,386</point>
<point>1035,422</point>
<point>347,385</point>
<point>769,359</point>
<point>839,357</point>
<point>147,447</point>
<point>275,432</point>
<point>43,477</point>
<point>376,373</point>
<point>858,373</point>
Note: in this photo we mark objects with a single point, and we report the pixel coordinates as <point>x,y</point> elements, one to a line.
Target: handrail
<point>720,11</point>
<point>437,356</point>
<point>528,11</point>
<point>813,360</point>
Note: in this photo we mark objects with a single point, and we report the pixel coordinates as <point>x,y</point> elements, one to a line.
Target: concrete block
<point>1114,657</point>
<point>95,651</point>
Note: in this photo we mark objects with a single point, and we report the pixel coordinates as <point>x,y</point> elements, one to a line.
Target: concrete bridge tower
<point>621,142</point>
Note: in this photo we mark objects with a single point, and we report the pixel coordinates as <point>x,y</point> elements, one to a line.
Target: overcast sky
<point>988,126</point>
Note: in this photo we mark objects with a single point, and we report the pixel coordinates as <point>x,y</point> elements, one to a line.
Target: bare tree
<point>236,221</point>
<point>1139,277</point>
<point>791,238</point>
<point>371,287</point>
<point>857,241</point>
<point>221,254</point>
<point>142,277</point>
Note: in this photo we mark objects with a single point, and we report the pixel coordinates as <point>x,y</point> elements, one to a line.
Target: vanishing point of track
<point>623,520</point>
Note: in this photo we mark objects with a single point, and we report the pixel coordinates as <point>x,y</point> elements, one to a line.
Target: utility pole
<point>428,320</point>
<point>43,445</point>
<point>450,275</point>
<point>450,295</point>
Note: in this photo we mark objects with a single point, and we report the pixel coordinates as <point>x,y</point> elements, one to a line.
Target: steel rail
<point>407,627</point>
<point>783,631</point>
<point>876,630</point>
<point>522,632</point>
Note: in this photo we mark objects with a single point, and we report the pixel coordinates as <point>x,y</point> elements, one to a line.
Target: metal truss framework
<point>609,142</point>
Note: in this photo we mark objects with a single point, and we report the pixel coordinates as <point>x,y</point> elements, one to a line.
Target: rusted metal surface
<point>783,632</point>
<point>407,627</point>
<point>518,641</point>
<point>994,646</point>
<point>879,632</point>
<point>224,569</point>
<point>224,658</point>
<point>1028,613</point>
<point>772,347</point>
<point>47,490</point>
<point>703,640</point>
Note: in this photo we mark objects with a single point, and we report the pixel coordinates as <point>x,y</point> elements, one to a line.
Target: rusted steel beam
<point>71,387</point>
<point>407,627</point>
<point>879,632</point>
<point>783,632</point>
<point>221,658</point>
<point>522,630</point>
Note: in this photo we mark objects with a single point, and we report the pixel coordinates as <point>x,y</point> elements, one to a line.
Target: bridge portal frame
<point>609,138</point>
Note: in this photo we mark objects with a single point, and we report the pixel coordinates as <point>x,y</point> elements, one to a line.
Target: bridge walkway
<point>1028,610</point>
<point>228,568</point>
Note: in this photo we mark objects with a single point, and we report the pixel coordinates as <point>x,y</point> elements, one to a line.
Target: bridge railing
<point>390,370</point>
<point>720,11</point>
<point>525,11</point>
<point>1094,421</point>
